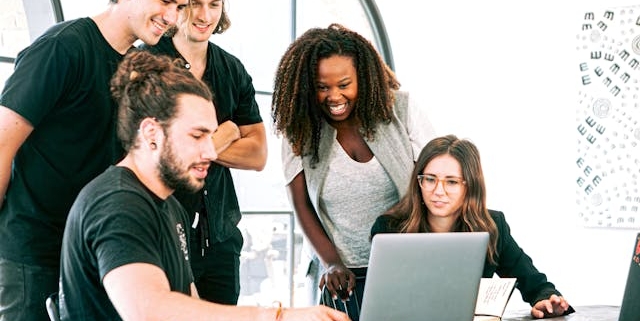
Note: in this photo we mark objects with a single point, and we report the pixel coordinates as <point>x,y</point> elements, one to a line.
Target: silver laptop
<point>424,276</point>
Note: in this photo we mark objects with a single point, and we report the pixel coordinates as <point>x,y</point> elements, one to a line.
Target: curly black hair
<point>295,110</point>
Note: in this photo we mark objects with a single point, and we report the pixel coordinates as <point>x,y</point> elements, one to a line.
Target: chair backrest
<point>52,307</point>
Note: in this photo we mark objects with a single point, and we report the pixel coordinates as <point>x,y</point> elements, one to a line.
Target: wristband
<point>280,310</point>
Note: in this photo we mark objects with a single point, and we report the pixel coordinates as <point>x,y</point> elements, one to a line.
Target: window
<point>14,35</point>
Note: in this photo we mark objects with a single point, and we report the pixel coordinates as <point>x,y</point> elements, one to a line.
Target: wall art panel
<point>608,118</point>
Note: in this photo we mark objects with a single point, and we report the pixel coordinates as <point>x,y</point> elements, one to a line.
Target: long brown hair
<point>295,109</point>
<point>410,214</point>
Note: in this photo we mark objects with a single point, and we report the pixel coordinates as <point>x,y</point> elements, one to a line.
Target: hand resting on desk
<point>552,307</point>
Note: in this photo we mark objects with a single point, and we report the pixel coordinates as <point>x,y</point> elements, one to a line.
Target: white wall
<point>505,75</point>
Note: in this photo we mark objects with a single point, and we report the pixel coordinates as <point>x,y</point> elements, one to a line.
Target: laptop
<point>424,276</point>
<point>630,309</point>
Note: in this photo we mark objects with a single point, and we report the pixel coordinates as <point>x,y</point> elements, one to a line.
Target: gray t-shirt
<point>353,195</point>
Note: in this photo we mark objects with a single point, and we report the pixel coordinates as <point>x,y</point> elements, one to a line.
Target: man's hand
<point>227,133</point>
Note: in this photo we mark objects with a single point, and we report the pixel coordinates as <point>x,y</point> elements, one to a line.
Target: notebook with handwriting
<point>493,297</point>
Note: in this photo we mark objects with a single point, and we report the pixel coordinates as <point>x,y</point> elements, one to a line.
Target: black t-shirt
<point>234,99</point>
<point>117,221</point>
<point>61,86</point>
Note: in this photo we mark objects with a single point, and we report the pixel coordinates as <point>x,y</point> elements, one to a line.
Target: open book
<point>493,296</point>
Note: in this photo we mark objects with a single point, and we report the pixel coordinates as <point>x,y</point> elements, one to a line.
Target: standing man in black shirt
<point>240,142</point>
<point>57,132</point>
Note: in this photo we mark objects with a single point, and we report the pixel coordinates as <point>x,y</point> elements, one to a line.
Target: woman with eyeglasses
<point>447,194</point>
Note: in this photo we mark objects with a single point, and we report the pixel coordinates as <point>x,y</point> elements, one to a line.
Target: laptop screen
<point>630,309</point>
<point>424,276</point>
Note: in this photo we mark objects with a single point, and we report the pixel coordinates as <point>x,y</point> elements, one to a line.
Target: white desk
<point>583,313</point>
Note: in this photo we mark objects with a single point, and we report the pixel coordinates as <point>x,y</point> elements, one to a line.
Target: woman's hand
<point>551,307</point>
<point>339,280</point>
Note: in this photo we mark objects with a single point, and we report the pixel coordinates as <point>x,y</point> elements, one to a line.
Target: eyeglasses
<point>450,184</point>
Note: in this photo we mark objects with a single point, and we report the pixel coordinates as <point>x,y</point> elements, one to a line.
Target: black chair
<point>52,307</point>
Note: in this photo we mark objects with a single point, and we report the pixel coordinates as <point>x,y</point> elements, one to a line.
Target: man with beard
<point>124,252</point>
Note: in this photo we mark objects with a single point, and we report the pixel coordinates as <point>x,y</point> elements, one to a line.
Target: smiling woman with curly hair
<point>350,141</point>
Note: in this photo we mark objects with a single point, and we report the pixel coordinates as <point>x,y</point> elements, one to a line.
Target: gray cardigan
<point>396,146</point>
<point>392,146</point>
